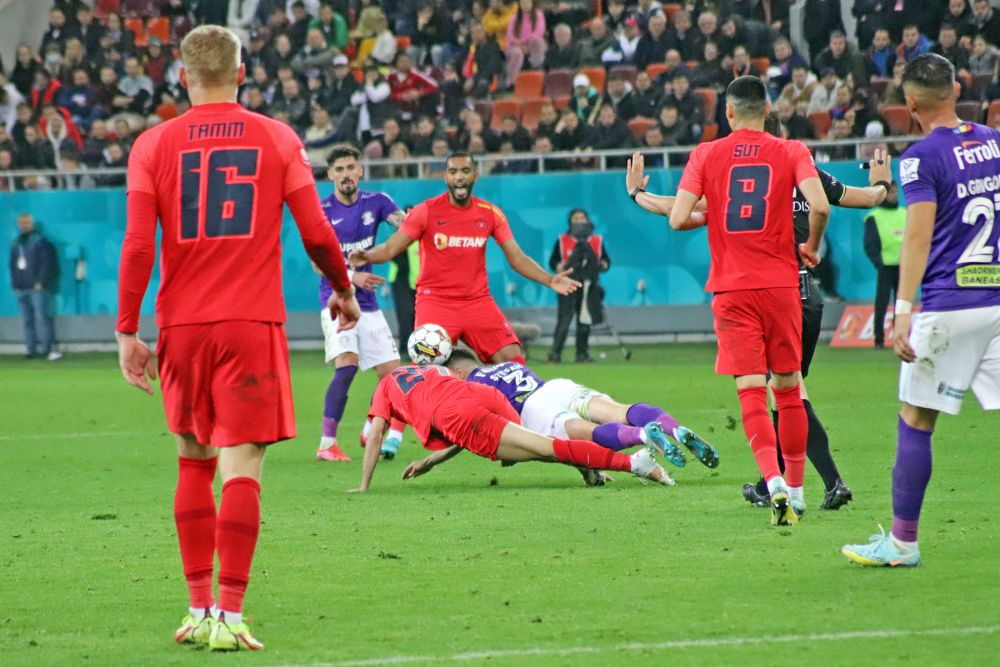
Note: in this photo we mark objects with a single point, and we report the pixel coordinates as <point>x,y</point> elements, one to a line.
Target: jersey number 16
<point>223,192</point>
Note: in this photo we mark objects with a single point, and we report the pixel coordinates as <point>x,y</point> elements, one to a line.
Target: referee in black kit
<point>837,493</point>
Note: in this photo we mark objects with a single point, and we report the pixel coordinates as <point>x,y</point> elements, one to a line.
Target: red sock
<point>587,454</point>
<point>397,425</point>
<point>236,536</point>
<point>759,430</point>
<point>520,359</point>
<point>194,514</point>
<point>793,429</point>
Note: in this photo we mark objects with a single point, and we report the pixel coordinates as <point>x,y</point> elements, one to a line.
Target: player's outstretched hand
<point>634,177</point>
<point>358,258</point>
<point>880,167</point>
<point>416,469</point>
<point>345,310</point>
<point>368,281</point>
<point>901,338</point>
<point>810,257</point>
<point>562,284</point>
<point>136,361</point>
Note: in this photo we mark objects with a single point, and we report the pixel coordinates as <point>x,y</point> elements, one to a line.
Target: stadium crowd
<point>402,78</point>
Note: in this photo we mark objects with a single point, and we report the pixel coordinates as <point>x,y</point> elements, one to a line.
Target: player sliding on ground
<point>561,408</point>
<point>747,180</point>
<point>478,418</point>
<point>355,215</point>
<point>837,493</point>
<point>217,177</point>
<point>950,250</point>
<point>452,288</point>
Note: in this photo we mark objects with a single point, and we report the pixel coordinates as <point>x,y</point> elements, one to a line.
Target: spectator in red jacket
<point>410,90</point>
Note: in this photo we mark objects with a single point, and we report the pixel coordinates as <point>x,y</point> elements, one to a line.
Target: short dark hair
<point>931,72</point>
<point>911,25</point>
<point>341,151</point>
<point>772,124</point>
<point>947,25</point>
<point>748,95</point>
<point>459,355</point>
<point>837,33</point>
<point>461,154</point>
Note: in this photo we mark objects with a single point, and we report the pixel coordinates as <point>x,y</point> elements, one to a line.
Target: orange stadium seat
<point>655,69</point>
<point>529,84</point>
<point>639,125</point>
<point>561,102</point>
<point>159,28</point>
<point>628,71</point>
<point>104,7</point>
<point>503,108</point>
<point>484,108</point>
<point>992,113</point>
<point>403,42</point>
<point>558,83</point>
<point>879,85</point>
<point>761,64</point>
<point>531,111</point>
<point>898,118</point>
<point>708,100</point>
<point>596,76</point>
<point>671,9</point>
<point>820,121</point>
<point>709,132</point>
<point>137,28</point>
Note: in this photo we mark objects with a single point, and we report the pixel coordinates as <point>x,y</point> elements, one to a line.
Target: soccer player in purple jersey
<point>561,408</point>
<point>951,179</point>
<point>355,215</point>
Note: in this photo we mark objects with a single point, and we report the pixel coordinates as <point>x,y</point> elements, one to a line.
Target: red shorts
<point>478,322</point>
<point>758,330</point>
<point>474,420</point>
<point>227,383</point>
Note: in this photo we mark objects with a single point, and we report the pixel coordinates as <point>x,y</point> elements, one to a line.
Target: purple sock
<point>641,414</point>
<point>336,399</point>
<point>617,436</point>
<point>910,477</point>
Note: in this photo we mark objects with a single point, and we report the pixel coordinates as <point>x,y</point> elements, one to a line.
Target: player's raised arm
<point>383,252</point>
<point>560,283</point>
<point>912,265</point>
<point>635,184</point>
<point>879,183</point>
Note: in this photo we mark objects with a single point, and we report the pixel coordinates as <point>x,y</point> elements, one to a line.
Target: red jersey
<point>414,393</point>
<point>748,179</point>
<point>220,176</point>
<point>453,245</point>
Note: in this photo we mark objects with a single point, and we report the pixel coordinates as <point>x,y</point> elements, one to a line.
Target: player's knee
<point>242,461</point>
<point>917,417</point>
<point>188,447</point>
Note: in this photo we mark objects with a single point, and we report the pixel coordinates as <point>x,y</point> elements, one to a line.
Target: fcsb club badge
<point>440,241</point>
<point>481,224</point>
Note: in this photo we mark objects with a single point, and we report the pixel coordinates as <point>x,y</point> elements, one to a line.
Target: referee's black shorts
<point>812,320</point>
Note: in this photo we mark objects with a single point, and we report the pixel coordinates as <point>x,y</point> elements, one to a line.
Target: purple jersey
<point>511,379</point>
<point>959,170</point>
<point>356,226</point>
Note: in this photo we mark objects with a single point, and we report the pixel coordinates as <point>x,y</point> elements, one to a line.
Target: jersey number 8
<point>230,187</point>
<point>748,187</point>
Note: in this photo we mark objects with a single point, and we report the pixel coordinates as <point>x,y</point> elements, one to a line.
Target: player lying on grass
<point>561,408</point>
<point>470,416</point>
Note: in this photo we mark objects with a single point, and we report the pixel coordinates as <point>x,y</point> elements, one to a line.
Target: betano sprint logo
<point>974,152</point>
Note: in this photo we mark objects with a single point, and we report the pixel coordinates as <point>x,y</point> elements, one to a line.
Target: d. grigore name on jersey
<point>978,186</point>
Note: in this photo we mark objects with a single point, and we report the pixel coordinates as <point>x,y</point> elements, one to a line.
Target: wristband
<point>885,184</point>
<point>903,307</point>
<point>635,193</point>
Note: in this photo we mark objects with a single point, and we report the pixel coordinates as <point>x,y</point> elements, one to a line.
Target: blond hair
<point>211,55</point>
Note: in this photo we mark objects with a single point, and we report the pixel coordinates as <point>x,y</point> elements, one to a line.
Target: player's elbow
<point>675,221</point>
<point>821,209</point>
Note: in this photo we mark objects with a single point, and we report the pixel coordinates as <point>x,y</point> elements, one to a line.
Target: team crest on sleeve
<point>908,170</point>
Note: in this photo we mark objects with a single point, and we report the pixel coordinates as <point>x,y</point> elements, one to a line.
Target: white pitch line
<point>87,434</point>
<point>655,646</point>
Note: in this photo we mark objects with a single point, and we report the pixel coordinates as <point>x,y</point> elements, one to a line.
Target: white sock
<point>231,617</point>
<point>795,493</point>
<point>904,547</point>
<point>367,429</point>
<point>776,483</point>
<point>197,614</point>
<point>393,433</point>
<point>326,442</point>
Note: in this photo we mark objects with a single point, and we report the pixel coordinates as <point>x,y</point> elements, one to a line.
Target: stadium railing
<point>428,166</point>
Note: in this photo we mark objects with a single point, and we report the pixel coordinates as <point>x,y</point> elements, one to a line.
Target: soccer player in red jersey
<point>747,180</point>
<point>217,178</point>
<point>450,415</point>
<point>452,288</point>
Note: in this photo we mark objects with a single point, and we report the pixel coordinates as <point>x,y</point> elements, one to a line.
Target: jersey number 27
<point>219,186</point>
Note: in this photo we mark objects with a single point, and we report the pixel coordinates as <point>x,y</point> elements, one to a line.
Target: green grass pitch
<point>473,563</point>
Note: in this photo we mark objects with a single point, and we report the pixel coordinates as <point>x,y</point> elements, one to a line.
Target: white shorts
<point>371,340</point>
<point>553,404</point>
<point>956,350</point>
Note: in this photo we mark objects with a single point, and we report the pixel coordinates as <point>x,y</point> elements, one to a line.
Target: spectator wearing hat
<point>825,94</point>
<point>340,89</point>
<point>628,40</point>
<point>563,54</point>
<point>585,100</point>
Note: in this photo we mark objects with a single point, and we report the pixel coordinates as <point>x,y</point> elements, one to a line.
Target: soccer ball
<point>429,344</point>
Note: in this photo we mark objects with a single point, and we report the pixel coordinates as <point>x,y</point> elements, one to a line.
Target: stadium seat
<point>820,121</point>
<point>898,118</point>
<point>561,102</point>
<point>402,43</point>
<point>628,71</point>
<point>692,65</point>
<point>980,84</point>
<point>104,7</point>
<point>159,28</point>
<point>503,108</point>
<point>966,80</point>
<point>762,64</point>
<point>596,75</point>
<point>879,85</point>
<point>655,69</point>
<point>529,84</point>
<point>708,100</point>
<point>639,125</point>
<point>531,110</point>
<point>484,109</point>
<point>709,132</point>
<point>671,9</point>
<point>992,113</point>
<point>138,9</point>
<point>359,74</point>
<point>136,27</point>
<point>558,83</point>
<point>970,112</point>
